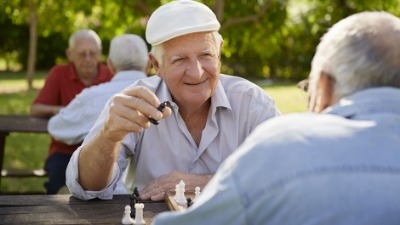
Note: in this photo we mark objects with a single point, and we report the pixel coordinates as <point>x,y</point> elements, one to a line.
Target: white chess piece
<point>180,198</point>
<point>126,219</point>
<point>176,191</point>
<point>139,214</point>
<point>196,193</point>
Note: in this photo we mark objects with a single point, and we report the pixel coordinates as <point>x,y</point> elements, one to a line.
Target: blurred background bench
<point>20,123</point>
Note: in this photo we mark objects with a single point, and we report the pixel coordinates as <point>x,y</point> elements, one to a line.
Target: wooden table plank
<point>64,209</point>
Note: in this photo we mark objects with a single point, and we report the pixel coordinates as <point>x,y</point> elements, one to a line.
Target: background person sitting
<point>62,84</point>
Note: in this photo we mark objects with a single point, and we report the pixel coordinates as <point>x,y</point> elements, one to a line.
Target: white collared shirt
<point>237,107</point>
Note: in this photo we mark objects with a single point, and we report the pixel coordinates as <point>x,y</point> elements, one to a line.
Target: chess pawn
<point>139,214</point>
<point>180,198</point>
<point>126,219</point>
<point>196,193</point>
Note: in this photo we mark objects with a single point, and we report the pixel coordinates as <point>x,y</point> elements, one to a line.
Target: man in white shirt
<point>209,117</point>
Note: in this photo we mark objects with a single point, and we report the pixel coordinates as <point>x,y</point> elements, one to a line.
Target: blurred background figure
<point>128,60</point>
<point>62,84</point>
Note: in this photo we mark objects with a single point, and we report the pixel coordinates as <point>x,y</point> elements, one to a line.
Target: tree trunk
<point>219,9</point>
<point>33,19</point>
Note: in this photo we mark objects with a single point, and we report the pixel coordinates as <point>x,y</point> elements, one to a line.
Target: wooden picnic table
<point>19,123</point>
<point>65,209</point>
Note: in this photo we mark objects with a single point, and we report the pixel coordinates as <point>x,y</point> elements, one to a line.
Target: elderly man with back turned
<point>337,167</point>
<point>62,84</point>
<point>210,113</point>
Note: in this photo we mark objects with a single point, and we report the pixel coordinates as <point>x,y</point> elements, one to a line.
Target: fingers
<point>144,101</point>
<point>130,112</point>
<point>154,190</point>
<point>158,197</point>
<point>157,188</point>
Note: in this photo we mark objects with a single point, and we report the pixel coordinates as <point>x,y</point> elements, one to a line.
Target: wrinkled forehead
<point>85,44</point>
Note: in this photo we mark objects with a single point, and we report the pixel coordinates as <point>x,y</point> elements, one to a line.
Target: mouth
<point>197,83</point>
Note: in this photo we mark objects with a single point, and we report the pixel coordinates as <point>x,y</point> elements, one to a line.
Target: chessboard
<point>171,203</point>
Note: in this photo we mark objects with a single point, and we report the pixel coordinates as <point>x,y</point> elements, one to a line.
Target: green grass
<point>287,96</point>
<point>24,150</point>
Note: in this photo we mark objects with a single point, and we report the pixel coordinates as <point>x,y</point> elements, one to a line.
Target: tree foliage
<point>262,38</point>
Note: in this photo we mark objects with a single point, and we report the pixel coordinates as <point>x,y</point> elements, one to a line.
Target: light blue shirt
<point>74,121</point>
<point>237,107</point>
<point>339,167</point>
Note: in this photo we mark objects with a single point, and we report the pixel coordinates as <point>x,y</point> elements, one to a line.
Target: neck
<point>195,119</point>
<point>87,80</point>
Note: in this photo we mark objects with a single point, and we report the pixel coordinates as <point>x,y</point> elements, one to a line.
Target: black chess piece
<point>133,199</point>
<point>136,192</point>
<point>160,108</point>
<point>189,202</point>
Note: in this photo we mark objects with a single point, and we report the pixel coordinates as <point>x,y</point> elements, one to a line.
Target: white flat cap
<point>178,18</point>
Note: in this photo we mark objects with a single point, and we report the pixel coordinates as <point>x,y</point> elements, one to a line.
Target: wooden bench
<point>25,124</point>
<point>23,173</point>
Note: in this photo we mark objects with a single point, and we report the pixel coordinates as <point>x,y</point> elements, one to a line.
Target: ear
<point>327,87</point>
<point>110,66</point>
<point>148,68</point>
<point>322,96</point>
<point>154,62</point>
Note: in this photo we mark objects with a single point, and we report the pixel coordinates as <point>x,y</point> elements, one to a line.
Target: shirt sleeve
<point>72,178</point>
<point>72,173</point>
<point>69,125</point>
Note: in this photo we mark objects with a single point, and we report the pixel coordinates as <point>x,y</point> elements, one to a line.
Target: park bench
<point>25,124</point>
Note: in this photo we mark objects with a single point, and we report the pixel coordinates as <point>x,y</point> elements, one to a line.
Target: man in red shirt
<point>62,84</point>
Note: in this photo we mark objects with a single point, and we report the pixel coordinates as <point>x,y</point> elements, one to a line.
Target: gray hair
<point>84,33</point>
<point>158,50</point>
<point>360,52</point>
<point>128,52</point>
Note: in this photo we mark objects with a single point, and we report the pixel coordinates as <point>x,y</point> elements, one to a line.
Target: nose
<point>195,68</point>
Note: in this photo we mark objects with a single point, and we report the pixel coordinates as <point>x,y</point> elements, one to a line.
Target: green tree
<point>262,38</point>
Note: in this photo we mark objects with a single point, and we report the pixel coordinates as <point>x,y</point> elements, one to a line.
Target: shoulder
<point>234,83</point>
<point>290,134</point>
<point>152,83</point>
<point>104,73</point>
<point>60,68</point>
<point>243,93</point>
<point>104,69</point>
<point>60,72</point>
<point>307,124</point>
<point>237,85</point>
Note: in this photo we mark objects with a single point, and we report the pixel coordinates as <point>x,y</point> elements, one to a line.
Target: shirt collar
<point>128,75</point>
<point>219,98</point>
<point>72,72</point>
<point>100,77</point>
<point>383,99</point>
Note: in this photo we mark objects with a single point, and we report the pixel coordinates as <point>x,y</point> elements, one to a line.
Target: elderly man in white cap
<point>207,118</point>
